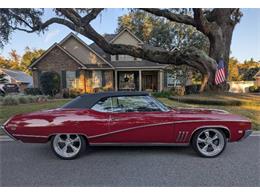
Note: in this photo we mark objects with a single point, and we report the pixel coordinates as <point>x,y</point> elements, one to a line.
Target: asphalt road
<point>35,165</point>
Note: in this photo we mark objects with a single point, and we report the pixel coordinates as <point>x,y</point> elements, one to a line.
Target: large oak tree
<point>216,24</point>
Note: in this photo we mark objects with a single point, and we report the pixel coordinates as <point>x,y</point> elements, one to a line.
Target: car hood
<point>207,114</point>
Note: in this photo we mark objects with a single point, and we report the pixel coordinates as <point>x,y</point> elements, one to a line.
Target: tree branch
<point>179,18</point>
<point>91,16</point>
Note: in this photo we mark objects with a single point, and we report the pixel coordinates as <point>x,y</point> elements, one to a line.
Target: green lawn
<point>8,111</point>
<point>252,110</point>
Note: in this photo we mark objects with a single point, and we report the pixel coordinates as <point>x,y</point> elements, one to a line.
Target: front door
<point>138,119</point>
<point>149,80</point>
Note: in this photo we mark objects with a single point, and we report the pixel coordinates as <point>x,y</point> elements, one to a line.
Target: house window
<point>117,57</point>
<point>71,79</point>
<point>170,80</point>
<point>97,79</point>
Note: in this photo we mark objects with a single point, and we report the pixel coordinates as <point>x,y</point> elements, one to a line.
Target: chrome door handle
<point>114,119</point>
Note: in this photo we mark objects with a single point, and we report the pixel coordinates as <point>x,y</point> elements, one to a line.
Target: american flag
<point>220,75</point>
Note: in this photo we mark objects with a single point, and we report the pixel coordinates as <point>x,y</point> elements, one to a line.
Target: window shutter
<point>39,75</point>
<point>77,74</point>
<point>103,79</point>
<point>63,78</point>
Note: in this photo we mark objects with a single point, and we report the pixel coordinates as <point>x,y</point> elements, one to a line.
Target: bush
<point>209,101</point>
<point>74,93</point>
<point>10,100</point>
<point>32,91</point>
<point>162,94</point>
<point>23,99</point>
<point>254,89</point>
<point>192,89</point>
<point>50,83</point>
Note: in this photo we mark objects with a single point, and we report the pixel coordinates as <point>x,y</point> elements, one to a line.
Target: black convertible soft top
<point>88,100</point>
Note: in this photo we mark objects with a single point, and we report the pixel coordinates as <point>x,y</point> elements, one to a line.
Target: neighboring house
<point>89,68</point>
<point>257,79</point>
<point>22,79</point>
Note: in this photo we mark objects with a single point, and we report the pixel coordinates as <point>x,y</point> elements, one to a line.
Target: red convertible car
<point>127,118</point>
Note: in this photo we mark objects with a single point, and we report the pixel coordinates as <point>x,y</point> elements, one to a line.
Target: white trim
<point>37,136</point>
<point>83,43</point>
<point>44,54</point>
<point>50,49</point>
<point>122,31</point>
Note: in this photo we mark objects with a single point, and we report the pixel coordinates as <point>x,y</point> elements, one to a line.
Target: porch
<point>138,80</point>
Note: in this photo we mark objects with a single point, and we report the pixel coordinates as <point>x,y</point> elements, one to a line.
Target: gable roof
<point>17,75</point>
<point>126,30</point>
<point>86,46</point>
<point>257,74</point>
<point>50,49</point>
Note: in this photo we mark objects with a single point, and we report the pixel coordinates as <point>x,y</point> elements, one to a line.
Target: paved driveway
<point>35,165</point>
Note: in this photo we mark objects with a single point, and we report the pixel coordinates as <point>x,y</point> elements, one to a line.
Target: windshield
<point>161,105</point>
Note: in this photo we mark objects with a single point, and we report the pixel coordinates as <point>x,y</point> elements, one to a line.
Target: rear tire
<point>209,143</point>
<point>68,146</point>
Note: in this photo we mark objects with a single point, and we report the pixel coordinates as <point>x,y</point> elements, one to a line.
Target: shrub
<point>164,94</point>
<point>254,89</point>
<point>32,91</point>
<point>66,93</point>
<point>50,83</point>
<point>74,93</point>
<point>192,89</point>
<point>10,100</point>
<point>23,99</point>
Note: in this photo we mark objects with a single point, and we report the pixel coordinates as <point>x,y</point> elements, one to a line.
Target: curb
<point>5,138</point>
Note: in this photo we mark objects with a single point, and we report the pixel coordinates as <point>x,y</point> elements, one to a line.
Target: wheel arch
<point>224,129</point>
<point>83,135</point>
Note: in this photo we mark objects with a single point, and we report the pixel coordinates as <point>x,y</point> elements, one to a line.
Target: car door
<point>137,119</point>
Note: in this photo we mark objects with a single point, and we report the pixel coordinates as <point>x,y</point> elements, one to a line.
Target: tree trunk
<point>220,42</point>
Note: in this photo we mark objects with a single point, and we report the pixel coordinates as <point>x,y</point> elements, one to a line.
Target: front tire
<point>209,143</point>
<point>68,146</point>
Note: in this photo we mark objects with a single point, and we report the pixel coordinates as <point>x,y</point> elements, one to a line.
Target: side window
<point>134,104</point>
<point>103,105</point>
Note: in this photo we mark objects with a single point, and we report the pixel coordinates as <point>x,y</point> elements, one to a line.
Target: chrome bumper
<point>2,127</point>
<point>246,134</point>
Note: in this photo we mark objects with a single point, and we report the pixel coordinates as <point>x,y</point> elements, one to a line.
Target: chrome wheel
<point>210,142</point>
<point>67,145</point>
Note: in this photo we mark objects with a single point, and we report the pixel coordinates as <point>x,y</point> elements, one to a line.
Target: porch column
<point>140,80</point>
<point>161,80</point>
<point>116,89</point>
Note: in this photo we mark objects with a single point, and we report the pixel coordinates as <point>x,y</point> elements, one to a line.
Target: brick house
<point>89,68</point>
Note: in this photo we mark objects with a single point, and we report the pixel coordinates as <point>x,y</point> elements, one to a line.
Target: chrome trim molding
<point>127,129</point>
<point>37,136</point>
<point>210,126</point>
<point>182,136</point>
<point>246,134</point>
<point>11,136</point>
<point>158,124</point>
<point>139,144</point>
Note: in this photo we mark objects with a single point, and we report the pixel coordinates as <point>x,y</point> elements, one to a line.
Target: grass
<point>8,111</point>
<point>224,99</point>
